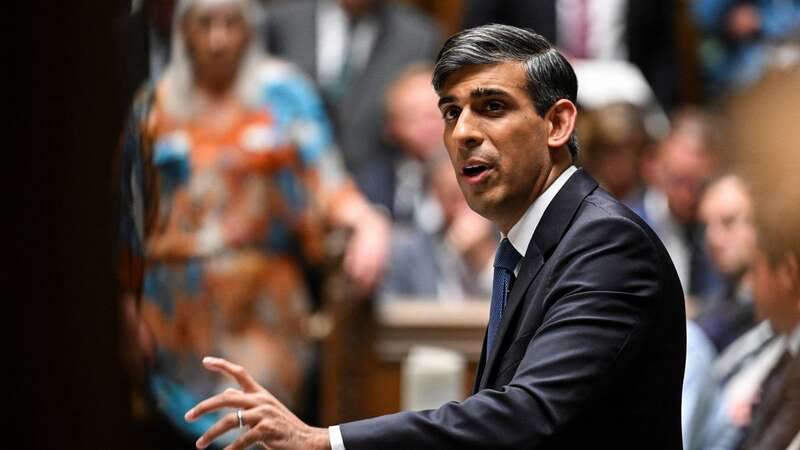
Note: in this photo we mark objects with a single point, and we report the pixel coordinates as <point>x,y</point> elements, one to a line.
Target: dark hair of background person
<point>550,76</point>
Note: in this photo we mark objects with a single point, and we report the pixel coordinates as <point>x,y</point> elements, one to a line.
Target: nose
<point>466,132</point>
<point>218,36</point>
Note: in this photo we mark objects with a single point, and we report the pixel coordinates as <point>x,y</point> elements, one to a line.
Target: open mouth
<point>474,170</point>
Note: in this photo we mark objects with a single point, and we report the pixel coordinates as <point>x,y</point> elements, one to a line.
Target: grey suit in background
<point>404,36</point>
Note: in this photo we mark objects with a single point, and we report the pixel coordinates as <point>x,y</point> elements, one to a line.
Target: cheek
<point>764,286</point>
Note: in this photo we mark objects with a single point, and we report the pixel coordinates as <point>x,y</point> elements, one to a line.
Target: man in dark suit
<point>586,339</point>
<point>354,49</point>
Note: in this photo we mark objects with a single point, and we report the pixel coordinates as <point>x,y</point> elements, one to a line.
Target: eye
<point>494,106</point>
<point>450,113</point>
<point>204,21</point>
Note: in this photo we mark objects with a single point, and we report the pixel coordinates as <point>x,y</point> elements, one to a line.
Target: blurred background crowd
<point>268,144</point>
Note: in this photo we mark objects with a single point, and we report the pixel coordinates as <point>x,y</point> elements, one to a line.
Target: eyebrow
<point>476,93</point>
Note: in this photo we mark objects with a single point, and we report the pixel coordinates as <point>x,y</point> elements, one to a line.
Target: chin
<point>482,208</point>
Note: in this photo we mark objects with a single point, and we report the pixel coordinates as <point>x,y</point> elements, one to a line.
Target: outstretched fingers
<point>230,398</point>
<point>234,371</point>
<point>244,441</point>
<point>223,425</point>
<point>257,419</point>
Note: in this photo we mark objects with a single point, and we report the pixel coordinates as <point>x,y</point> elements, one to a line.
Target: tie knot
<point>507,256</point>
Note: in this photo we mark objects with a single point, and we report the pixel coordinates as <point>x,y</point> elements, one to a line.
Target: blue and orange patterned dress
<point>217,225</point>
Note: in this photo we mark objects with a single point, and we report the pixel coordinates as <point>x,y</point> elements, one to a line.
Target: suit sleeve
<point>595,321</point>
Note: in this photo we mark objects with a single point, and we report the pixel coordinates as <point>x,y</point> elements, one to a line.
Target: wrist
<point>320,439</point>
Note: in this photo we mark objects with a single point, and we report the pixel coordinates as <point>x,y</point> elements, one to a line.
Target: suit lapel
<point>531,264</point>
<point>555,221</point>
<point>478,384</point>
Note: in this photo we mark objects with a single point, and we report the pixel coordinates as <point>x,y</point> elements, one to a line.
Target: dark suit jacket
<point>776,420</point>
<point>590,351</point>
<point>405,36</point>
<point>650,34</point>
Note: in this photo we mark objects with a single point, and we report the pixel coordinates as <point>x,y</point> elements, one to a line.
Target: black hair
<point>550,76</point>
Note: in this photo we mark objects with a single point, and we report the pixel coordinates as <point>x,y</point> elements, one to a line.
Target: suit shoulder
<point>603,210</point>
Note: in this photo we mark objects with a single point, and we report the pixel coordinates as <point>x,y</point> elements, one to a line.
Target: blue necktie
<point>505,261</point>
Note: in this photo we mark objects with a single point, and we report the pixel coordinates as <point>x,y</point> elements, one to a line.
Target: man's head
<point>413,121</point>
<point>508,102</point>
<point>685,160</point>
<point>726,211</point>
<point>613,141</point>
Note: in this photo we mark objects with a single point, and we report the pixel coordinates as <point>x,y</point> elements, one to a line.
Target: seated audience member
<point>679,170</point>
<point>447,257</point>
<point>414,126</point>
<point>228,178</point>
<point>765,129</point>
<point>353,49</point>
<point>726,211</point>
<point>613,138</point>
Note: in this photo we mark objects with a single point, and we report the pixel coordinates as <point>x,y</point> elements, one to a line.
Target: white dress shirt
<point>605,38</point>
<point>520,236</point>
<point>521,233</point>
<point>335,41</point>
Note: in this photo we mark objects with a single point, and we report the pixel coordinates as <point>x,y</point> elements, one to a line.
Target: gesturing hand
<point>270,422</point>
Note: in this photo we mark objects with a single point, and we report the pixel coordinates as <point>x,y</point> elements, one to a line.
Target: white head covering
<point>179,100</point>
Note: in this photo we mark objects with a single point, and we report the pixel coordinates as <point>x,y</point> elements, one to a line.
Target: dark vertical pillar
<point>73,384</point>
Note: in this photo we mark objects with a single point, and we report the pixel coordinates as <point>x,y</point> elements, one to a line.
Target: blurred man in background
<point>613,139</point>
<point>414,129</point>
<point>726,211</point>
<point>353,49</point>
<point>677,174</point>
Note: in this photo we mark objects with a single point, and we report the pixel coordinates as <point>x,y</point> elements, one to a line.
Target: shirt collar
<point>521,233</point>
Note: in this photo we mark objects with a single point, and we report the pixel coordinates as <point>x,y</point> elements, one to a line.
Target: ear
<point>561,118</point>
<point>789,274</point>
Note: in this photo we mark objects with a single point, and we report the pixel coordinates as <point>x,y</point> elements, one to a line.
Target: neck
<point>555,171</point>
<point>214,90</point>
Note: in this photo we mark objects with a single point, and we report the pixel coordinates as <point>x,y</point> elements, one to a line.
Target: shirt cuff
<point>335,436</point>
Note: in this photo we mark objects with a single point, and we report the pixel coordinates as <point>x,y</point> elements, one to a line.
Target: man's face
<point>684,167</point>
<point>730,235</point>
<point>216,37</point>
<point>496,141</point>
<point>775,290</point>
<point>414,121</point>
